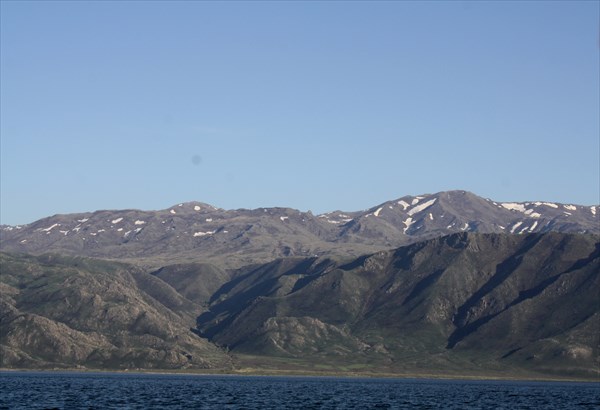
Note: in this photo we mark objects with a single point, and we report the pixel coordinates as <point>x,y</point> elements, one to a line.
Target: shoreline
<point>293,374</point>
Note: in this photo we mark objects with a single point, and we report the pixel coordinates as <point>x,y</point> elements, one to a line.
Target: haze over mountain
<point>446,283</point>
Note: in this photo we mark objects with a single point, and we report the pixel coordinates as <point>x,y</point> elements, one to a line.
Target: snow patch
<point>119,230</point>
<point>515,226</point>
<point>138,230</point>
<point>116,221</point>
<point>533,226</point>
<point>422,207</point>
<point>430,216</point>
<point>283,218</point>
<point>49,228</point>
<point>24,240</point>
<point>415,201</point>
<point>513,206</point>
<point>83,220</point>
<point>404,204</point>
<point>203,233</point>
<point>464,228</point>
<point>550,204</point>
<point>141,222</point>
<point>208,219</point>
<point>532,214</point>
<point>172,211</point>
<point>10,228</point>
<point>64,232</point>
<point>409,221</point>
<point>197,208</point>
<point>567,213</point>
<point>570,207</point>
<point>593,210</point>
<point>376,213</point>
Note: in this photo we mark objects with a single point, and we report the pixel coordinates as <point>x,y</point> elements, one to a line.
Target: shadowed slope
<point>477,298</point>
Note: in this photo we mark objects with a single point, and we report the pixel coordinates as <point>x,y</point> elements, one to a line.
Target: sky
<point>313,105</point>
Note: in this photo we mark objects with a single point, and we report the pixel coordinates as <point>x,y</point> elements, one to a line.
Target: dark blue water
<point>26,390</point>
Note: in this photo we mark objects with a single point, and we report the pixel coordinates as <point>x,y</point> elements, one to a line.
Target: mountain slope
<point>462,300</point>
<point>446,282</point>
<point>197,232</point>
<point>66,312</point>
<point>467,302</point>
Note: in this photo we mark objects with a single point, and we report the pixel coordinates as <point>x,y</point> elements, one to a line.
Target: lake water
<point>54,390</point>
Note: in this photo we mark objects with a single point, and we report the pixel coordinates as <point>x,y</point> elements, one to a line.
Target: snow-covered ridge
<point>410,216</point>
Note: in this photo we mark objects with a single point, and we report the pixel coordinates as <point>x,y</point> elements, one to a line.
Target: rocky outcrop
<point>75,312</point>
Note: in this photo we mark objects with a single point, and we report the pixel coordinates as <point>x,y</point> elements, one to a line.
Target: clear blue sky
<point>312,105</point>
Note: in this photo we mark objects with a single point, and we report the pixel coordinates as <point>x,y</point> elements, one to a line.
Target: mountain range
<point>194,231</point>
<point>435,284</point>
